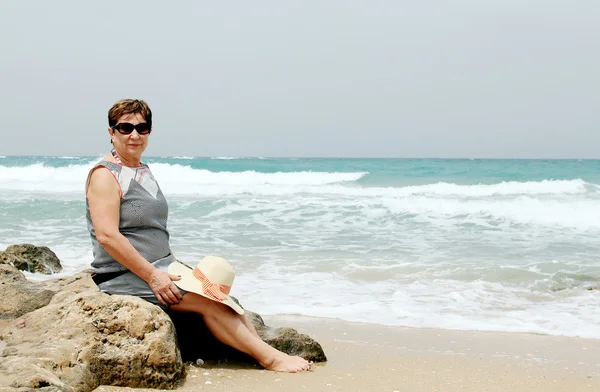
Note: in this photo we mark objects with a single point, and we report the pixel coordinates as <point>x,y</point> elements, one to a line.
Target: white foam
<point>503,188</point>
<point>441,255</point>
<point>418,299</point>
<point>41,178</point>
<point>330,196</point>
<point>581,213</point>
<point>181,180</point>
<point>175,179</point>
<point>285,184</point>
<point>203,182</point>
<point>184,179</point>
<point>448,304</point>
<point>361,260</point>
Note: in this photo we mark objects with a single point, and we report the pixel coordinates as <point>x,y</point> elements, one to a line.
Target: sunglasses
<point>126,128</point>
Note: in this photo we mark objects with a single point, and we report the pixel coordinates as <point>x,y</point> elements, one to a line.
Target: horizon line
<point>232,157</point>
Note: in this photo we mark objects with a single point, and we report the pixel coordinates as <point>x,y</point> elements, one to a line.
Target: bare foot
<point>287,363</point>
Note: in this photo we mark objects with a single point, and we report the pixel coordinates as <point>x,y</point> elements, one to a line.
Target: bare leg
<point>248,324</point>
<point>231,329</point>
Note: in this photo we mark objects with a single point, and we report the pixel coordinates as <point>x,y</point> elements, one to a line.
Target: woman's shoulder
<point>102,177</point>
<point>108,162</point>
<point>103,173</point>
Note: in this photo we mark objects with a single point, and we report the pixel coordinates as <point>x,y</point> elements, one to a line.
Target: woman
<point>127,220</point>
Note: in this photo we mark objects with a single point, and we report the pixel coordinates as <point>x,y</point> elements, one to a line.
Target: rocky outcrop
<point>71,337</point>
<point>85,338</point>
<point>31,258</point>
<point>20,296</point>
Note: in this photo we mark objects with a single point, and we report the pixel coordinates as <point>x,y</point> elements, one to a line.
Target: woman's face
<point>133,144</point>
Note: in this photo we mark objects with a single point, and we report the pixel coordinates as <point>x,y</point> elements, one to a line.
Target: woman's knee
<point>192,302</point>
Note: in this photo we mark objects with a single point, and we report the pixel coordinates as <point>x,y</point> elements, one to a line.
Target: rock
<point>288,340</point>
<point>84,338</point>
<point>31,258</point>
<point>76,283</point>
<point>196,341</point>
<point>70,337</point>
<point>20,296</point>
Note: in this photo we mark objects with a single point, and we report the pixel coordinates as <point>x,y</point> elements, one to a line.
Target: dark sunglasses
<point>126,128</point>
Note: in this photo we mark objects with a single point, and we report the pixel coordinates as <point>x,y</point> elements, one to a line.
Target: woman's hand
<point>161,283</point>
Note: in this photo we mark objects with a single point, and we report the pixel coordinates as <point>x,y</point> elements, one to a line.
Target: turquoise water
<point>381,172</point>
<point>509,245</point>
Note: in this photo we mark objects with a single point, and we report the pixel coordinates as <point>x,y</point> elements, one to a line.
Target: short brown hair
<point>129,106</point>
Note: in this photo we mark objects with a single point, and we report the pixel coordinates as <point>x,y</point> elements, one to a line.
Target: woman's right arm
<point>104,198</point>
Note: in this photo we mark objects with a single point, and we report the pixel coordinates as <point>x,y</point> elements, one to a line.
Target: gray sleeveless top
<point>143,217</point>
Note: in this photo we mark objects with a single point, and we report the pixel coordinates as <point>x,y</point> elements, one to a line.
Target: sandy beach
<point>369,357</point>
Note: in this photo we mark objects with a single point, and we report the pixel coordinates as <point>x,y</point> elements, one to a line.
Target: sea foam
<point>439,246</point>
<point>181,180</point>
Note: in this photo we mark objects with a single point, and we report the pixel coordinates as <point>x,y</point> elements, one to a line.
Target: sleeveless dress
<point>143,221</point>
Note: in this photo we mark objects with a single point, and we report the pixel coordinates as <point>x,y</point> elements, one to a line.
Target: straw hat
<point>211,278</point>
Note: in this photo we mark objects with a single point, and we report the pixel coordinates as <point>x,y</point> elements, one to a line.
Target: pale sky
<point>336,78</point>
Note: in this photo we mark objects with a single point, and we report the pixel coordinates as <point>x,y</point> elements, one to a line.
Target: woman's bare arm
<point>103,195</point>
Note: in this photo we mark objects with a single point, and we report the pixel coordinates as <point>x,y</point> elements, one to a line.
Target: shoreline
<point>372,357</point>
<point>309,319</point>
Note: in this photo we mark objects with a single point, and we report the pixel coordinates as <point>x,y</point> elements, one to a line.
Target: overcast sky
<point>437,78</point>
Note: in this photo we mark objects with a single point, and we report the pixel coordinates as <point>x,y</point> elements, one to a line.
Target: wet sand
<point>369,357</point>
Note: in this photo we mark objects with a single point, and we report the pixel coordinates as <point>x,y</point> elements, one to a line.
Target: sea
<point>467,244</point>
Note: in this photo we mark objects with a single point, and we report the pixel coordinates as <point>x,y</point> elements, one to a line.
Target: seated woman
<point>127,220</point>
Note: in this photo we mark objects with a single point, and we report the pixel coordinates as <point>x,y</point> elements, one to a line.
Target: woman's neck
<point>124,160</point>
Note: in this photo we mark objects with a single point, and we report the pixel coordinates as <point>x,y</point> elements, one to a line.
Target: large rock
<point>85,338</point>
<point>31,258</point>
<point>20,296</point>
<point>288,340</point>
<point>71,337</point>
<point>78,282</point>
